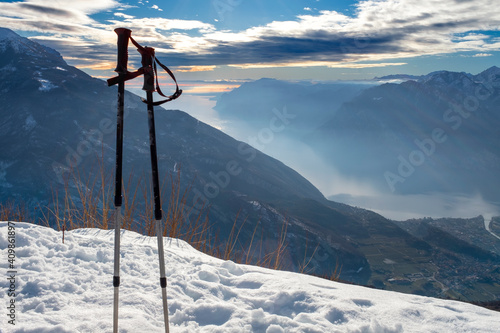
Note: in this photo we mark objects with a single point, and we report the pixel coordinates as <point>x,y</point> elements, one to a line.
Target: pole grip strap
<point>124,36</point>
<point>144,51</point>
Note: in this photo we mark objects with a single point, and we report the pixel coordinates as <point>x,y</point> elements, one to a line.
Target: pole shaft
<point>116,276</point>
<point>118,201</point>
<point>154,158</point>
<point>163,279</point>
<point>157,208</point>
<point>119,144</point>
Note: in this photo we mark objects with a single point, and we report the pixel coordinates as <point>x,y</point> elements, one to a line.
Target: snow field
<point>68,288</point>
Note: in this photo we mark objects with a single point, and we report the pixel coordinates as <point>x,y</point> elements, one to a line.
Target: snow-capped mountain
<point>67,288</point>
<point>11,42</point>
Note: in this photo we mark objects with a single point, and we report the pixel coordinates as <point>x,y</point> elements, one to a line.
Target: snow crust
<point>68,288</point>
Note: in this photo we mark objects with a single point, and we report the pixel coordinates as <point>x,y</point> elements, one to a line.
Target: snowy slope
<point>67,288</point>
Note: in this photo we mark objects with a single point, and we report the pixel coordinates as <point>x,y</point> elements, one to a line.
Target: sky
<point>214,45</point>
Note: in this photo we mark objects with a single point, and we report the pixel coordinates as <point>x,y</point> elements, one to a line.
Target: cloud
<point>379,31</point>
<point>377,34</point>
<point>306,51</point>
<point>158,24</point>
<point>189,69</point>
<point>157,8</point>
<point>338,64</point>
<point>50,18</point>
<point>125,16</point>
<point>482,55</point>
<point>38,9</point>
<point>25,14</point>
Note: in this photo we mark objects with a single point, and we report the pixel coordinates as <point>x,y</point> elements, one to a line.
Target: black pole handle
<point>121,69</point>
<point>123,38</point>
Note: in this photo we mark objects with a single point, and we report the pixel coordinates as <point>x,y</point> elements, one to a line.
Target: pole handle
<point>148,54</point>
<point>122,60</point>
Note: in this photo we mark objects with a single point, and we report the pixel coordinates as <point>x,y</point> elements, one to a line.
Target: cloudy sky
<point>222,41</point>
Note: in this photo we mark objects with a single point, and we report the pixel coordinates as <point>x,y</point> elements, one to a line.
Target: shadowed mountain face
<point>56,121</point>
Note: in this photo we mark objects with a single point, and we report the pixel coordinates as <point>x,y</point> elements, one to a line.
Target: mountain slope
<point>56,120</point>
<point>204,294</point>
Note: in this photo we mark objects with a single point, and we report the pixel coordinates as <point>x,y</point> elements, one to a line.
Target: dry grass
<point>14,211</point>
<point>92,207</point>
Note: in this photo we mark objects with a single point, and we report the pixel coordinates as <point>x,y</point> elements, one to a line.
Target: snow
<point>30,123</point>
<point>46,85</point>
<point>9,38</point>
<point>18,43</point>
<point>68,288</point>
<point>7,34</point>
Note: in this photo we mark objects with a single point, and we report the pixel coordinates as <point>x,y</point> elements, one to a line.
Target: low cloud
<point>435,205</point>
<point>482,55</point>
<point>190,69</point>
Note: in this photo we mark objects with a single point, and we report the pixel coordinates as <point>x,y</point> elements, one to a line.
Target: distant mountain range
<point>55,119</point>
<point>253,104</point>
<point>431,133</point>
<point>439,133</point>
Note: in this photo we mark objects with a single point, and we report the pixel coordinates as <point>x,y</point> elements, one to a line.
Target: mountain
<point>464,236</point>
<point>437,134</point>
<point>253,105</point>
<point>398,77</point>
<point>56,121</point>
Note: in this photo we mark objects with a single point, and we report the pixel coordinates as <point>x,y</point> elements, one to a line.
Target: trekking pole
<point>149,70</point>
<point>121,69</point>
<point>148,55</point>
